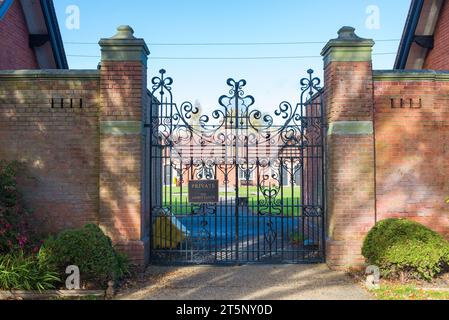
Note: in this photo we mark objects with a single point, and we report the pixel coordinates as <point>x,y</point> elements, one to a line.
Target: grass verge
<point>408,292</point>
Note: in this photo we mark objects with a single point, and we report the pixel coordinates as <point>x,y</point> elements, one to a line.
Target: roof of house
<point>419,30</point>
<point>45,36</point>
<point>4,6</point>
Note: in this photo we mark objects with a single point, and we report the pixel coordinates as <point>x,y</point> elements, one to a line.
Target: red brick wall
<point>412,147</point>
<point>59,146</point>
<point>350,162</point>
<point>83,160</point>
<point>438,58</point>
<point>15,53</point>
<point>123,93</point>
<point>350,197</point>
<point>355,91</point>
<point>124,89</point>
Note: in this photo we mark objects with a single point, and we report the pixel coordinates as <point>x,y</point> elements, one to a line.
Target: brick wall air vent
<point>66,103</point>
<point>405,103</point>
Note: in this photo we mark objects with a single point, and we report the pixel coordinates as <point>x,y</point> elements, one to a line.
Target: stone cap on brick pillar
<point>348,47</point>
<point>124,47</point>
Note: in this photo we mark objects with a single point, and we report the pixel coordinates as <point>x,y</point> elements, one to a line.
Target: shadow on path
<point>249,282</point>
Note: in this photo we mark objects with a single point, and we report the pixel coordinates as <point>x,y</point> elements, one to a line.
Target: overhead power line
<point>232,43</point>
<point>228,44</point>
<point>228,58</point>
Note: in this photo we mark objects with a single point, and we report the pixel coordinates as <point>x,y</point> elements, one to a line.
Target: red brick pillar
<point>123,95</point>
<point>350,144</point>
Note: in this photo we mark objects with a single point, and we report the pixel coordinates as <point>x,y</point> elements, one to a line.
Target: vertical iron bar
<point>304,168</point>
<point>282,209</point>
<point>192,213</point>
<point>236,208</point>
<point>258,208</point>
<point>152,174</point>
<point>323,176</point>
<point>215,215</point>
<point>293,209</point>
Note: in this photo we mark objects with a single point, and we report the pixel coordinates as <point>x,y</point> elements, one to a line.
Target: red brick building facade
<point>426,36</point>
<point>30,36</point>
<point>438,57</point>
<point>15,52</point>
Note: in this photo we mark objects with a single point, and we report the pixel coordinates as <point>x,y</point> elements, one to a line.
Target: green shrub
<point>26,272</point>
<point>15,233</point>
<point>89,249</point>
<point>401,246</point>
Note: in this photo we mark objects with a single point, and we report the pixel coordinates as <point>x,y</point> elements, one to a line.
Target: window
<point>285,176</point>
<point>281,173</point>
<point>246,174</point>
<point>168,175</point>
<point>298,175</point>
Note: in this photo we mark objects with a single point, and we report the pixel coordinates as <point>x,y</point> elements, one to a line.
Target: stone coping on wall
<point>410,75</point>
<point>49,74</point>
<point>351,128</point>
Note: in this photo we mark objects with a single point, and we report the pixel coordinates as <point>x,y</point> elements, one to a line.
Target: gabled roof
<point>419,30</point>
<point>45,36</point>
<point>4,7</point>
<point>51,22</point>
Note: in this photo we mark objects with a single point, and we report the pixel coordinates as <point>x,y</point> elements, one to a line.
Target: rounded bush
<point>89,249</point>
<point>402,246</point>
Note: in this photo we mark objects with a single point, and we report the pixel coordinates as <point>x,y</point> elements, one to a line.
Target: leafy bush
<point>26,272</point>
<point>15,233</point>
<point>89,249</point>
<point>399,246</point>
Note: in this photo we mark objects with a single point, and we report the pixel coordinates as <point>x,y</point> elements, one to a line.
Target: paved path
<point>272,282</point>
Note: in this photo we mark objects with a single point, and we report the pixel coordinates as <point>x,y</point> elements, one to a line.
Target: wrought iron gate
<point>265,175</point>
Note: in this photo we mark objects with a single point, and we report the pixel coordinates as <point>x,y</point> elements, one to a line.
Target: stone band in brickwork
<point>350,128</point>
<point>118,128</point>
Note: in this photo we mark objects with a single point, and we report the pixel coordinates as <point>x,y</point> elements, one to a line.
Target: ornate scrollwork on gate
<point>235,115</point>
<point>238,144</point>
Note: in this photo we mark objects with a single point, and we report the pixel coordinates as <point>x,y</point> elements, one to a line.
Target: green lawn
<point>408,292</point>
<point>180,203</point>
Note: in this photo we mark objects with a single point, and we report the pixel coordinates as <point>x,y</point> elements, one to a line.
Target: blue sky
<point>205,21</point>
